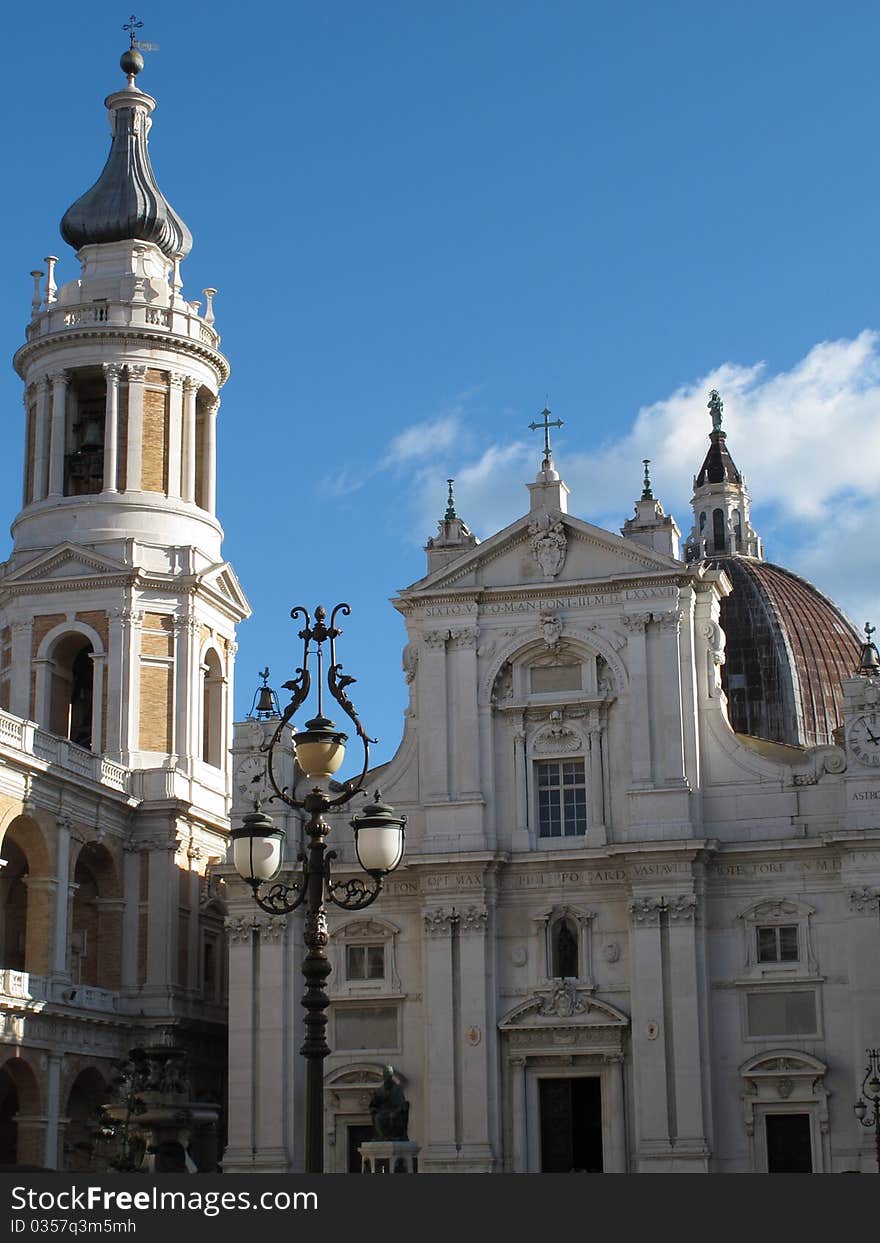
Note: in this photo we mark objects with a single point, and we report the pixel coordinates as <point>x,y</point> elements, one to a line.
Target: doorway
<point>355,1136</point>
<point>789,1145</point>
<point>571,1125</point>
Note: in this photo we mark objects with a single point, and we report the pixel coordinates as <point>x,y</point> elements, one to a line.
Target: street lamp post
<point>257,847</point>
<point>867,1107</point>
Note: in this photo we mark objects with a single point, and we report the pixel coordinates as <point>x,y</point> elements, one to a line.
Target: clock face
<point>864,738</point>
<point>250,780</point>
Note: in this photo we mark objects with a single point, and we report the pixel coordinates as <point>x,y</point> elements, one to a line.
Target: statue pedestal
<point>388,1156</point>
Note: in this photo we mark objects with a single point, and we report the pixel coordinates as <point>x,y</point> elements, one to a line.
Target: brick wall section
<point>42,626</point>
<point>154,467</point>
<point>155,708</point>
<point>157,635</point>
<point>122,438</point>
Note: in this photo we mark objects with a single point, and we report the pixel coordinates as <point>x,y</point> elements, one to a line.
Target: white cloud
<point>423,440</point>
<point>807,439</point>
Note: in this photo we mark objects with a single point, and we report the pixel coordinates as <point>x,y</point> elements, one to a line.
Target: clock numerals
<point>864,739</point>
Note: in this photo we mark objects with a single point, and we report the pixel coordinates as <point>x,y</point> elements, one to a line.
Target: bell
<point>266,701</point>
<point>92,434</point>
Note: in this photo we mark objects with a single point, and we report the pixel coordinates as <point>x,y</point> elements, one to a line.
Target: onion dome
<point>125,203</point>
<point>788,649</point>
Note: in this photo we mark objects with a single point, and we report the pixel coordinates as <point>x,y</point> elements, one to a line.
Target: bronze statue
<point>389,1108</point>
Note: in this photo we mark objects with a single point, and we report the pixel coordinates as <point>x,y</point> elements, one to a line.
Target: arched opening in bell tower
<point>84,452</point>
<point>71,699</point>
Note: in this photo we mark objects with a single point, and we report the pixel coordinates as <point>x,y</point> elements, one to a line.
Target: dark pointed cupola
<point>721,501</point>
<point>125,204</point>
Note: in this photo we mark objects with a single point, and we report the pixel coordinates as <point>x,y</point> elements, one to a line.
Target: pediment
<point>67,561</point>
<point>545,550</point>
<point>563,1005</point>
<point>221,579</point>
<point>788,1062</point>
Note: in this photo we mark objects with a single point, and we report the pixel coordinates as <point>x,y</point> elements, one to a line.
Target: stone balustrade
<point>180,320</point>
<point>24,986</point>
<point>29,739</point>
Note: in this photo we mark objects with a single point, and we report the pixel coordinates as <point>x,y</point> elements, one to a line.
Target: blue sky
<point>425,218</point>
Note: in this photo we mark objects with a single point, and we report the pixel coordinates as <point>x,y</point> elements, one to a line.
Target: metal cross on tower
<point>131,26</point>
<point>546,425</point>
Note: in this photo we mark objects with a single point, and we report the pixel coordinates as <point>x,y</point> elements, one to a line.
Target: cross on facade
<point>546,425</point>
<point>131,26</point>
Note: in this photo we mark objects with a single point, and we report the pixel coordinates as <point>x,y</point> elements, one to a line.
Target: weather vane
<point>546,425</point>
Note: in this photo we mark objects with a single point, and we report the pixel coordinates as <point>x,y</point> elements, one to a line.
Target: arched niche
<point>96,923</point>
<point>69,670</point>
<point>26,906</point>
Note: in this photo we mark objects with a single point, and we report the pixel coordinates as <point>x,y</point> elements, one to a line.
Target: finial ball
<point>131,62</point>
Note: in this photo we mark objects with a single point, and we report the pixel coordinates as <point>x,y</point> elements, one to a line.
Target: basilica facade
<point>637,924</point>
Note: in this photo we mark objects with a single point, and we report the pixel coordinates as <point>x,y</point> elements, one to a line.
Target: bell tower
<point>117,610</point>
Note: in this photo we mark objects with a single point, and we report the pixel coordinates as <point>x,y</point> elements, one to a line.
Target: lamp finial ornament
<point>450,503</point>
<point>647,494</point>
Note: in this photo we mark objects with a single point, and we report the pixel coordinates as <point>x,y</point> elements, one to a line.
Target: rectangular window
<point>365,962</point>
<point>778,944</point>
<point>782,1014</point>
<point>366,1027</point>
<point>562,798</point>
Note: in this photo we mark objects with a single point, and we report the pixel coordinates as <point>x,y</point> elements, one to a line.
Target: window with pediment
<point>777,939</point>
<point>365,960</point>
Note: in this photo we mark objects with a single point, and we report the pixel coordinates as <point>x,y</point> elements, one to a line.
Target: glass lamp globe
<point>379,837</point>
<point>257,848</point>
<point>860,1109</point>
<point>320,748</point>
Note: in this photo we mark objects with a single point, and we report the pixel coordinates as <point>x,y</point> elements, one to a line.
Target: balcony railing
<point>24,986</point>
<point>29,739</point>
<point>181,320</point>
